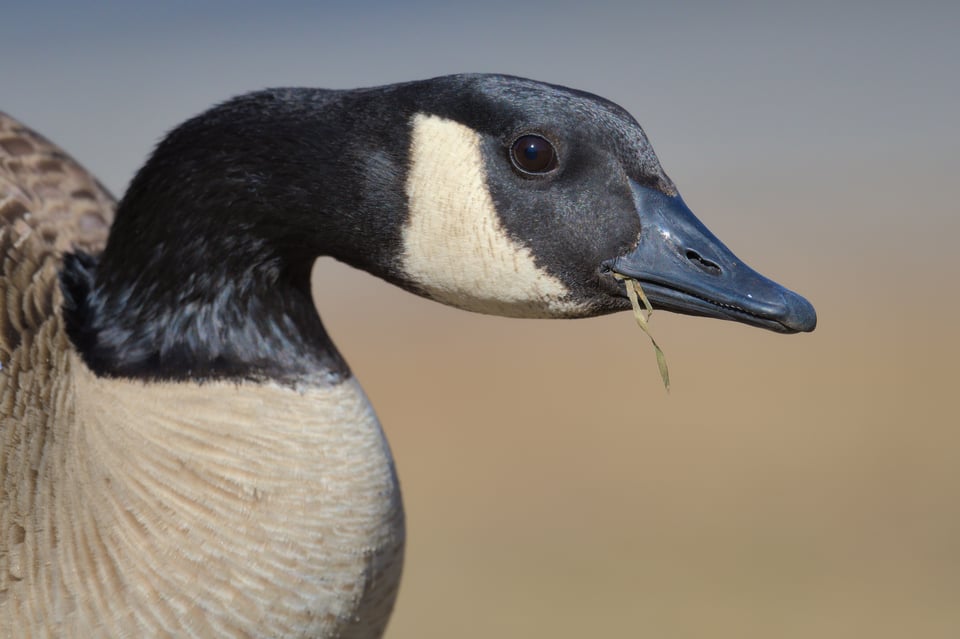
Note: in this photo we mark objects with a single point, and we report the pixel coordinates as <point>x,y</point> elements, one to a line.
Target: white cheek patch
<point>454,245</point>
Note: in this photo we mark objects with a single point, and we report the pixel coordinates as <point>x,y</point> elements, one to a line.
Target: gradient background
<point>803,486</point>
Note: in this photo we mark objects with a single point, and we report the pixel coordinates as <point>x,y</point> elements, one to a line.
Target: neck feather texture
<point>206,273</point>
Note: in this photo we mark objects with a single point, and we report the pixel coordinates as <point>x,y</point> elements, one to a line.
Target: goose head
<point>525,199</point>
<point>491,193</point>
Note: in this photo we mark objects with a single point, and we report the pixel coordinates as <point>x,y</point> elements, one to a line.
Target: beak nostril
<point>702,263</point>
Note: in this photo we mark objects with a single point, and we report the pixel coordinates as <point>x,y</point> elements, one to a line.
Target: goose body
<point>183,451</point>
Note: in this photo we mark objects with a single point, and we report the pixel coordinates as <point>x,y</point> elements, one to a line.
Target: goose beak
<point>684,268</point>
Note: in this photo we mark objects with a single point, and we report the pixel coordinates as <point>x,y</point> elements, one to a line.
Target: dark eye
<point>533,154</point>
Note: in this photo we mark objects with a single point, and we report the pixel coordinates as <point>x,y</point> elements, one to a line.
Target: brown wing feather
<point>48,205</point>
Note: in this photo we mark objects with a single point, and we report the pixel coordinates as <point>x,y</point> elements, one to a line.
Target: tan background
<point>789,486</point>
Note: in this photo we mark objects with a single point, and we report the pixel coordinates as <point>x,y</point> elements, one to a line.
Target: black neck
<point>207,270</point>
<point>213,326</point>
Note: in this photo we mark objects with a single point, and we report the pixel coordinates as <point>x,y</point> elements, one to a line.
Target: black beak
<point>684,268</point>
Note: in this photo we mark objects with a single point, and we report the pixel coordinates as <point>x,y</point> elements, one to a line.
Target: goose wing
<point>48,205</point>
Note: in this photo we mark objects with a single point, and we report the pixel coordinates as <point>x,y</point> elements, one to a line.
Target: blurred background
<point>788,486</point>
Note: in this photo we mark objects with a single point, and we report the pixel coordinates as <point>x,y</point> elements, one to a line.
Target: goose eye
<point>533,154</point>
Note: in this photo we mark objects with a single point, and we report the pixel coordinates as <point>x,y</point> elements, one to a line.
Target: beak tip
<point>801,317</point>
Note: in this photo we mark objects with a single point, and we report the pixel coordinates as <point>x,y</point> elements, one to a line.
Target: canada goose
<point>183,451</point>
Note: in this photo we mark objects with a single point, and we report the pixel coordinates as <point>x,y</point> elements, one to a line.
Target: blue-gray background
<point>788,486</point>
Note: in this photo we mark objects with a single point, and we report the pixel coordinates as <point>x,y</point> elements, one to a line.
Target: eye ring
<point>533,154</point>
